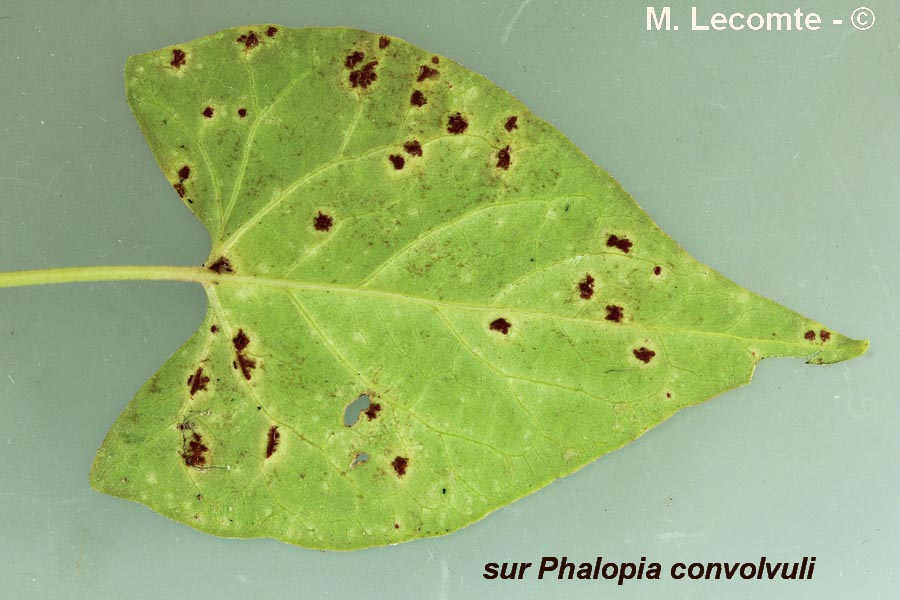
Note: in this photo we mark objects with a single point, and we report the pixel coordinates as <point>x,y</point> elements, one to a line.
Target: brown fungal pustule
<point>197,382</point>
<point>208,112</point>
<point>383,42</point>
<point>272,440</point>
<point>322,222</point>
<point>417,98</point>
<point>242,112</point>
<point>501,325</point>
<point>426,72</point>
<point>824,335</point>
<point>397,160</point>
<point>586,287</point>
<point>249,40</point>
<point>503,159</point>
<point>657,270</point>
<point>242,362</point>
<point>365,76</point>
<point>400,463</point>
<point>456,124</point>
<point>184,172</point>
<point>512,123</point>
<point>221,265</point>
<point>623,244</point>
<point>353,59</point>
<point>177,58</point>
<point>373,410</point>
<point>271,31</point>
<point>810,335</point>
<point>413,147</point>
<point>179,187</point>
<point>193,450</point>
<point>644,354</point>
<point>614,313</point>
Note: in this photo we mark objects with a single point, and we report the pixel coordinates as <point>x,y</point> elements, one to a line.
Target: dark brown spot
<point>512,123</point>
<point>456,123</point>
<point>503,159</point>
<point>208,112</point>
<point>586,287</point>
<point>242,112</point>
<point>644,354</point>
<point>365,76</point>
<point>810,335</point>
<point>825,335</point>
<point>240,341</point>
<point>353,59</point>
<point>397,160</point>
<point>657,270</point>
<point>435,60</point>
<point>214,329</point>
<point>221,266</point>
<point>426,72</point>
<point>623,244</point>
<point>271,31</point>
<point>272,441</point>
<point>501,325</point>
<point>400,463</point>
<point>249,40</point>
<point>193,450</point>
<point>184,172</point>
<point>322,222</point>
<point>384,41</point>
<point>668,394</point>
<point>177,58</point>
<point>396,525</point>
<point>417,98</point>
<point>373,410</point>
<point>613,313</point>
<point>179,187</point>
<point>413,147</point>
<point>198,381</point>
<point>244,363</point>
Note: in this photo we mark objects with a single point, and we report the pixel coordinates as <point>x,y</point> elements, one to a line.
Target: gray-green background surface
<point>772,157</point>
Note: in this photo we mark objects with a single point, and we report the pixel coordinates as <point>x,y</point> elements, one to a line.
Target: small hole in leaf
<point>361,458</point>
<point>355,409</point>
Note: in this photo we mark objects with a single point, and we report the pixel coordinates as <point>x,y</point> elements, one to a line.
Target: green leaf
<point>388,224</point>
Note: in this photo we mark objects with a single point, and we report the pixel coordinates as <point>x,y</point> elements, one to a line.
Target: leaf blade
<point>481,282</point>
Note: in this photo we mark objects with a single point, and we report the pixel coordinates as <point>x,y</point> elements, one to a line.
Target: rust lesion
<point>272,439</point>
<point>242,362</point>
<point>400,464</point>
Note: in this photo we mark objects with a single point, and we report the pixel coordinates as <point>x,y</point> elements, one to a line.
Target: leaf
<point>394,233</point>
